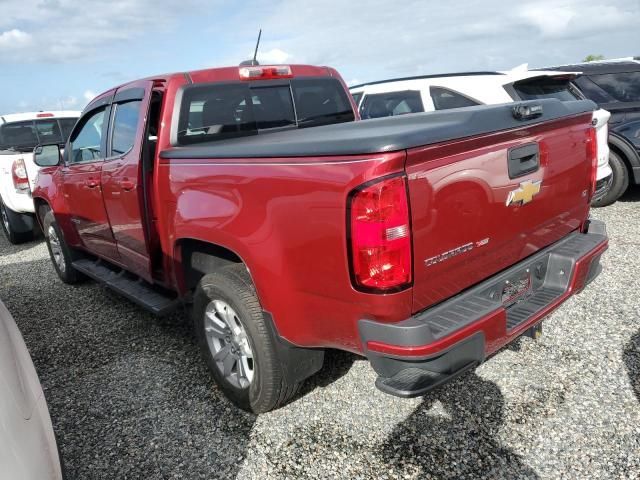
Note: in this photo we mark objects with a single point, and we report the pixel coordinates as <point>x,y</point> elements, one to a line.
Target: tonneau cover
<point>379,135</point>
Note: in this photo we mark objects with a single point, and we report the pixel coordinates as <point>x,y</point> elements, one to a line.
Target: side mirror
<point>47,155</point>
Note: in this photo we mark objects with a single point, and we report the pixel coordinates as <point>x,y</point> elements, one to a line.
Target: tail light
<point>380,236</point>
<point>592,155</point>
<point>19,174</point>
<point>265,72</point>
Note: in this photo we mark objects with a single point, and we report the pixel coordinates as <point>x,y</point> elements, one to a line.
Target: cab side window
<point>86,144</point>
<point>125,125</point>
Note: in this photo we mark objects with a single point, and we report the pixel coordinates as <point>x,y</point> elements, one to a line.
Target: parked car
<point>615,85</point>
<point>28,449</point>
<point>19,134</point>
<point>429,93</point>
<point>425,242</point>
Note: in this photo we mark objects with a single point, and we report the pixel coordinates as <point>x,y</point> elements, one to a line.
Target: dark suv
<point>615,86</point>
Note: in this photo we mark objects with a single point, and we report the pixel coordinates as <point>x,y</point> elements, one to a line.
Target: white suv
<point>439,92</point>
<point>19,134</point>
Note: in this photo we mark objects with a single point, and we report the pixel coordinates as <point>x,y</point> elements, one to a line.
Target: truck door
<point>82,192</point>
<point>122,177</point>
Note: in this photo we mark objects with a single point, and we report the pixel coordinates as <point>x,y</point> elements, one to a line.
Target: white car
<point>439,92</point>
<point>28,449</point>
<point>19,134</point>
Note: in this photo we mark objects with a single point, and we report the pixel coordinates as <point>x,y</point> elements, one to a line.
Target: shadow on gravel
<point>462,443</point>
<point>336,365</point>
<point>631,357</point>
<point>631,195</point>
<point>8,249</point>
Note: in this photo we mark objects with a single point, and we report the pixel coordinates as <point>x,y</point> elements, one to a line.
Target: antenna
<point>253,61</point>
<point>255,53</point>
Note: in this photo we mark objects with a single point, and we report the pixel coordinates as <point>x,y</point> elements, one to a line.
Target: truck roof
<point>225,74</point>
<point>19,117</point>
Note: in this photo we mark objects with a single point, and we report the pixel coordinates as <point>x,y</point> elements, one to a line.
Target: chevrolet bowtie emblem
<point>524,193</point>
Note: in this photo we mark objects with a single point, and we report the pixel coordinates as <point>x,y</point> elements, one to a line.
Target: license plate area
<point>516,288</point>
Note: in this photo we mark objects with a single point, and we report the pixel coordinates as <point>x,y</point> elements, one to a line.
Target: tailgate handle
<point>523,160</point>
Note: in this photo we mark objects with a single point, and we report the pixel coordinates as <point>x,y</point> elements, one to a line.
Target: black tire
<point>66,271</point>
<point>14,224</point>
<point>619,182</point>
<point>268,389</point>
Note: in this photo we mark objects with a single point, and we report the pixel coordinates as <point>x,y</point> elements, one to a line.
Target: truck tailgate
<point>472,217</point>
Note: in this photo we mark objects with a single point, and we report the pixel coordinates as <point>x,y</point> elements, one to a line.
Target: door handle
<point>91,183</point>
<point>127,185</point>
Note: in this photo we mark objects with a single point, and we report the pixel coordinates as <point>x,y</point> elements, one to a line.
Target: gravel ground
<point>131,399</point>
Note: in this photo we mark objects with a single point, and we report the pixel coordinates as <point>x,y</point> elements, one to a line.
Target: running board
<point>135,289</point>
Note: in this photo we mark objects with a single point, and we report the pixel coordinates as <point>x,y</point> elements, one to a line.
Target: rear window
<point>18,135</point>
<point>27,134</point>
<point>225,110</point>
<point>541,88</point>
<point>622,87</point>
<point>356,97</point>
<point>445,99</point>
<point>390,104</point>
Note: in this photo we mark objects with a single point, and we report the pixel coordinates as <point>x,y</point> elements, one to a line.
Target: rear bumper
<point>418,354</point>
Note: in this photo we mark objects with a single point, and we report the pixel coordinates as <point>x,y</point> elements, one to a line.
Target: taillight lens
<point>592,154</point>
<point>381,236</point>
<point>19,174</point>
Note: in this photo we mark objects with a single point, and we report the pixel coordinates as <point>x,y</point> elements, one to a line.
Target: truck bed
<point>378,135</point>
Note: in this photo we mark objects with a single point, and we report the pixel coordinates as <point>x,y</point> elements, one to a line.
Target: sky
<point>60,53</point>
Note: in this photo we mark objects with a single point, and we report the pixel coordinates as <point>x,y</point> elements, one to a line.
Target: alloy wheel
<point>56,248</point>
<point>228,342</point>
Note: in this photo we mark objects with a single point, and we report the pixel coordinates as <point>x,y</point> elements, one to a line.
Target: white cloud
<point>274,56</point>
<point>14,39</point>
<point>89,95</point>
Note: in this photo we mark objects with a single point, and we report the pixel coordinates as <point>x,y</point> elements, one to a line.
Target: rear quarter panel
<point>286,218</point>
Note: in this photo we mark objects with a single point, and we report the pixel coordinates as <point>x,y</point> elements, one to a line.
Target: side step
<point>133,288</point>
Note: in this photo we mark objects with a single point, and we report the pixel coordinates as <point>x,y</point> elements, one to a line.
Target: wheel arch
<point>627,153</point>
<point>196,258</point>
<point>41,207</point>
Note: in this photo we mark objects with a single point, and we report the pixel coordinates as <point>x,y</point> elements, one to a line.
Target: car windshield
<point>25,135</point>
<point>218,111</point>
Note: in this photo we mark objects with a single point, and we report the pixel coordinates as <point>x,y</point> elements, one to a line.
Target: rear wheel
<point>619,181</point>
<point>62,256</point>
<point>13,225</point>
<point>236,342</point>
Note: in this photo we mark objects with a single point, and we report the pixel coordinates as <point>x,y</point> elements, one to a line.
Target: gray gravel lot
<point>131,399</point>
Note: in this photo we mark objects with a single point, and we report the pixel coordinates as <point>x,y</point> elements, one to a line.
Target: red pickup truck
<point>425,242</point>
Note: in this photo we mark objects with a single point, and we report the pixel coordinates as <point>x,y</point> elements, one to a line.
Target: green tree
<point>593,58</point>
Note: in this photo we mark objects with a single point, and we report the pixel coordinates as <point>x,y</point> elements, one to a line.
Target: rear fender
<point>48,194</point>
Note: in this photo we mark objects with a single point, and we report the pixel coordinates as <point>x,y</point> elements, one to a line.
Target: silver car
<point>28,448</point>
